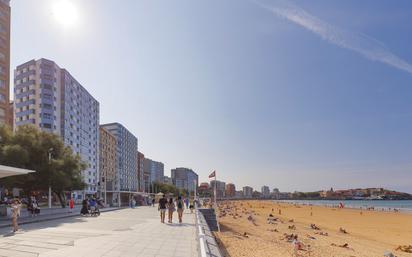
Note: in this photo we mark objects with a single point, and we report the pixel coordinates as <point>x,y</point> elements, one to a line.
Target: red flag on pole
<point>213,174</point>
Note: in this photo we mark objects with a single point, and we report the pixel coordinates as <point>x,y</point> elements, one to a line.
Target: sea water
<point>402,205</point>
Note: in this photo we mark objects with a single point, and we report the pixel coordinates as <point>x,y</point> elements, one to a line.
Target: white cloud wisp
<point>362,44</point>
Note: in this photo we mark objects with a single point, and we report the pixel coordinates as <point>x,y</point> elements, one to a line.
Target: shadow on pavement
<point>6,231</point>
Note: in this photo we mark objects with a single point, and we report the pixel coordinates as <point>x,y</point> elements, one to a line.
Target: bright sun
<point>65,12</point>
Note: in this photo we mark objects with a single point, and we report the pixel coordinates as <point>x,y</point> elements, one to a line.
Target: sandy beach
<point>264,228</point>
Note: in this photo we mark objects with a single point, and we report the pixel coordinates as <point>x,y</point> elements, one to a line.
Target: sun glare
<point>65,13</point>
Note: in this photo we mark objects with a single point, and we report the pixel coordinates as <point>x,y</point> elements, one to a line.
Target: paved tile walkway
<point>121,233</point>
<point>6,221</point>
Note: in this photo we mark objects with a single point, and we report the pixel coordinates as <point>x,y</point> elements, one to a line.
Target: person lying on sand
<point>311,237</point>
<point>322,233</point>
<point>388,254</point>
<point>290,237</point>
<point>313,226</point>
<point>345,245</point>
<point>298,246</point>
<point>293,227</point>
<point>404,248</point>
<point>343,231</point>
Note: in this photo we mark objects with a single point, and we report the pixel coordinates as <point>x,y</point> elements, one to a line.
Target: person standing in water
<point>180,208</point>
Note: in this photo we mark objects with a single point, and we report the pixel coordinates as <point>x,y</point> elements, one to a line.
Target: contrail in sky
<point>362,44</point>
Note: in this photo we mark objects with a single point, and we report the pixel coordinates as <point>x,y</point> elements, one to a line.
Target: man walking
<point>162,208</point>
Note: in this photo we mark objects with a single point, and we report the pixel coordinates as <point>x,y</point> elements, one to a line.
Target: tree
<point>168,189</point>
<point>29,148</point>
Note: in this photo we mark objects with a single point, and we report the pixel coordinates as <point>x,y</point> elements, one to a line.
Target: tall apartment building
<point>50,98</point>
<point>220,188</point>
<point>140,171</point>
<point>247,192</point>
<point>126,159</point>
<point>155,169</point>
<point>230,190</point>
<point>265,191</point>
<point>107,164</point>
<point>184,178</point>
<point>4,61</point>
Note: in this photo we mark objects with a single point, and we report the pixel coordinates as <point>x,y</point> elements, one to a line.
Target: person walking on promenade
<point>180,208</point>
<point>71,204</point>
<point>32,206</point>
<point>191,206</point>
<point>153,202</point>
<point>170,209</point>
<point>15,213</point>
<point>187,203</point>
<point>85,207</point>
<point>162,208</point>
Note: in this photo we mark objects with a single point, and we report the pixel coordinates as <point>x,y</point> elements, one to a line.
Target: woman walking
<point>71,204</point>
<point>180,208</point>
<point>170,209</point>
<point>15,213</point>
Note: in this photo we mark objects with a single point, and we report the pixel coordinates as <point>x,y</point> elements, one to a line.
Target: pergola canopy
<point>7,171</point>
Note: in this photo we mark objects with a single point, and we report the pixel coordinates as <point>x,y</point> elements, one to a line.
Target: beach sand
<point>369,234</point>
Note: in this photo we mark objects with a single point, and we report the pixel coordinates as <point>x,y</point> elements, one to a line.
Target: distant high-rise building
<point>230,190</point>
<point>126,159</point>
<point>265,191</point>
<point>5,62</point>
<point>204,190</point>
<point>184,178</point>
<point>247,192</point>
<point>220,188</point>
<point>168,180</point>
<point>50,98</point>
<point>140,171</point>
<point>107,160</point>
<point>155,170</point>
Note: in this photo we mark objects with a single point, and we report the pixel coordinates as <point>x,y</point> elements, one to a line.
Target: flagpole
<point>215,190</point>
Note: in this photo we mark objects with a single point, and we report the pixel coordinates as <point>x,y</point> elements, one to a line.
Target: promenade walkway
<point>125,232</point>
<point>58,213</point>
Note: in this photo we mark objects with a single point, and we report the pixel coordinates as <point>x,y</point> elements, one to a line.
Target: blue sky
<point>300,95</point>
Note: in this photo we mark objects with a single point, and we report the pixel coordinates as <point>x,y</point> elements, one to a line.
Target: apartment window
<point>47,125</point>
<point>47,106</point>
<point>47,86</point>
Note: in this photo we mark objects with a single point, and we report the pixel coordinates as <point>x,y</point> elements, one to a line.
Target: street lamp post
<point>50,191</point>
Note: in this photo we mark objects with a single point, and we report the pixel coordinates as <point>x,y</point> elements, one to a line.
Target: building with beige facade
<point>4,62</point>
<point>107,164</point>
<point>50,98</point>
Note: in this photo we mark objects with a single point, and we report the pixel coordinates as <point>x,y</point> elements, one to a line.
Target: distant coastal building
<point>5,63</point>
<point>220,188</point>
<point>230,190</point>
<point>184,178</point>
<point>247,192</point>
<point>50,98</point>
<point>126,159</point>
<point>265,192</point>
<point>276,194</point>
<point>204,190</point>
<point>167,180</point>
